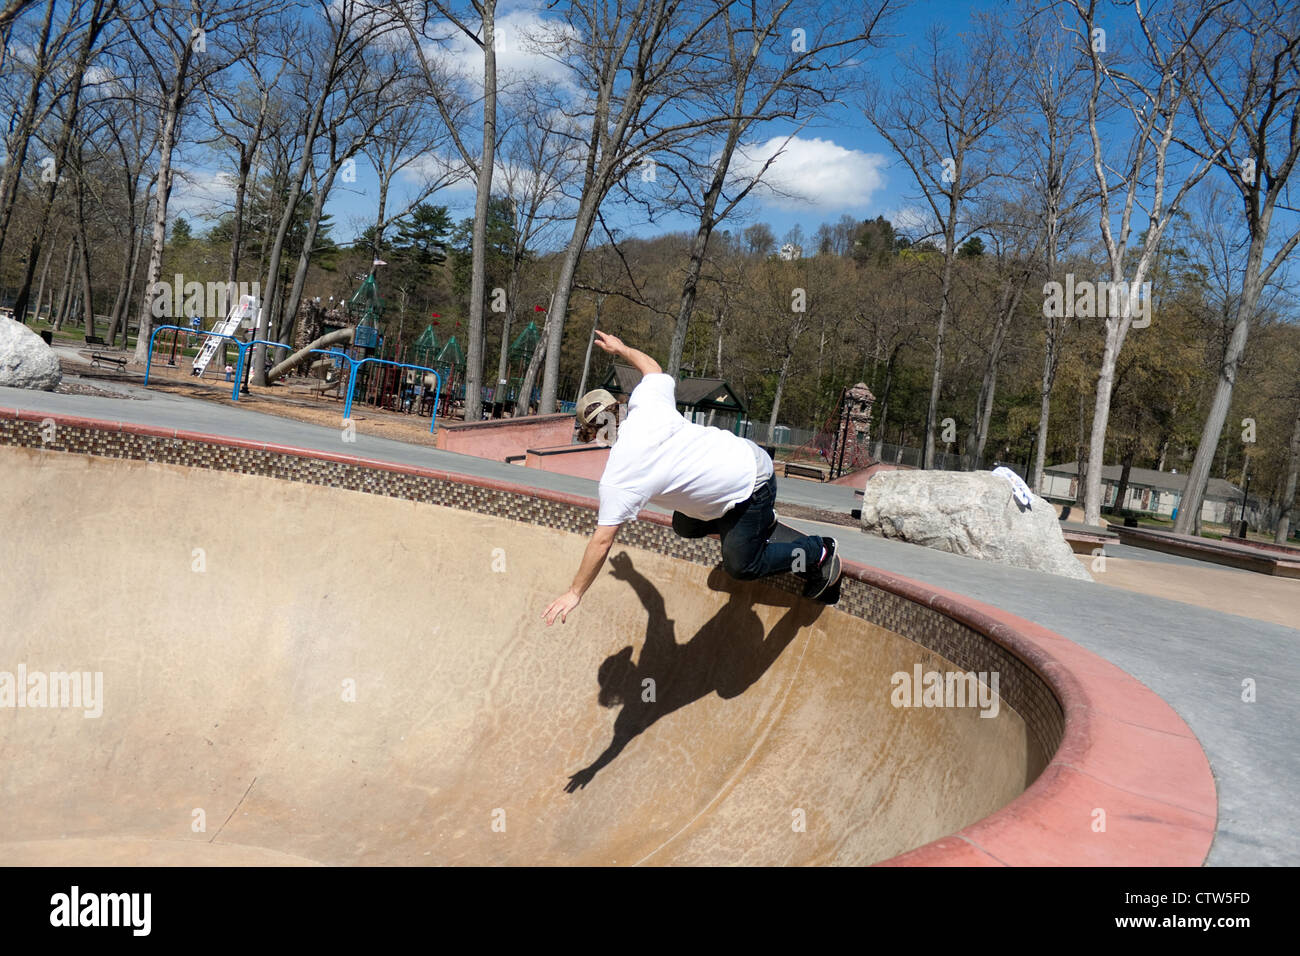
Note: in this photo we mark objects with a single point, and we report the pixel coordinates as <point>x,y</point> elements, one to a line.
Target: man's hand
<point>610,343</point>
<point>561,607</point>
<point>617,347</point>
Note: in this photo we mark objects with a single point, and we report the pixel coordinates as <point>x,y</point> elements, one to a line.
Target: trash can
<point>48,336</point>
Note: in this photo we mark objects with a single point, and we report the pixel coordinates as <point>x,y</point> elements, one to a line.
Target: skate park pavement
<point>1195,658</point>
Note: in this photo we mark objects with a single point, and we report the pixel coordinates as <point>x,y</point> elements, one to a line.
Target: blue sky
<point>837,163</point>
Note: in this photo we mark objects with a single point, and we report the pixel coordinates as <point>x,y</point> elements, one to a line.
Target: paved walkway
<point>1196,659</point>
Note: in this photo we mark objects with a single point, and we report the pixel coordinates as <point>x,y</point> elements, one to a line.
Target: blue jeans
<point>747,553</point>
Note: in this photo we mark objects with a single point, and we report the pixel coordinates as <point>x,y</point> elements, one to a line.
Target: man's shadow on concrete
<point>726,656</point>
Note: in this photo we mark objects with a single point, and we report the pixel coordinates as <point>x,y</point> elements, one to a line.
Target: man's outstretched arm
<point>602,539</point>
<point>620,349</point>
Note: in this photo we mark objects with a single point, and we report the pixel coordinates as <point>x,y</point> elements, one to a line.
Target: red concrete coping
<point>580,461</point>
<point>856,479</point>
<point>1124,752</point>
<point>502,438</point>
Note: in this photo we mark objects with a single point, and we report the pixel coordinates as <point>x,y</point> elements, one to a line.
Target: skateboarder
<point>714,481</point>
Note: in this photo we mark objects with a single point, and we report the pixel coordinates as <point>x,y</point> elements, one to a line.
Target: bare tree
<point>537,163</point>
<point>178,42</point>
<point>93,19</point>
<point>634,61</point>
<point>1050,146</point>
<point>773,71</point>
<point>348,28</point>
<point>1258,89</point>
<point>1150,98</point>
<point>477,24</point>
<point>10,11</point>
<point>942,120</point>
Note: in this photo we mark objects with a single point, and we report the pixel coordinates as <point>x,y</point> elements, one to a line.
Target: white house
<point>1151,491</point>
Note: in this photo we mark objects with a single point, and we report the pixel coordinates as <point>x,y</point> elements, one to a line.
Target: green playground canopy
<point>425,349</point>
<point>451,354</point>
<point>366,301</point>
<point>428,339</point>
<point>525,342</point>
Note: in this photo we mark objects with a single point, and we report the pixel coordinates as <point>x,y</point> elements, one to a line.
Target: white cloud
<point>520,35</point>
<point>913,221</point>
<point>200,195</point>
<point>811,172</point>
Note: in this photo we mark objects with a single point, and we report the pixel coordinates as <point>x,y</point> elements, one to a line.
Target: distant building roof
<point>1174,481</point>
<point>697,393</point>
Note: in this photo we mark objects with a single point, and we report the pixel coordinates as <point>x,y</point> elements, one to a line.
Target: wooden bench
<point>94,340</point>
<point>100,359</point>
<point>800,470</point>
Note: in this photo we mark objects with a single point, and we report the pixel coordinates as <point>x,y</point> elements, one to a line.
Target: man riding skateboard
<point>714,482</point>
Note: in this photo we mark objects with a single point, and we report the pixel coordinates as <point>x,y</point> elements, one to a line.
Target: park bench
<point>94,340</point>
<point>798,470</point>
<point>100,360</point>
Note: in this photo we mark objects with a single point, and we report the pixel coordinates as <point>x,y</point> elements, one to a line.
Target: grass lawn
<point>75,335</point>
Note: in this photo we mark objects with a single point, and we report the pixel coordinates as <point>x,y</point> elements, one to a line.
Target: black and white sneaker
<point>823,580</point>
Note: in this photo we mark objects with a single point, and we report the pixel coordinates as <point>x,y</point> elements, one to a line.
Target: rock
<point>970,513</point>
<point>25,360</point>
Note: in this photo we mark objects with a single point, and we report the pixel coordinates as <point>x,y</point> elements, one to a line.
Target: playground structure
<point>428,377</point>
<point>356,361</point>
<point>843,440</point>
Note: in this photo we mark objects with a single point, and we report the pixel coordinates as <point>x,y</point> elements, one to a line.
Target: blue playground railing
<point>240,346</point>
<point>353,366</point>
<point>280,345</point>
<point>437,386</point>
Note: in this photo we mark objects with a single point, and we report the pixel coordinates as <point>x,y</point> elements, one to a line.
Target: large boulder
<point>25,360</point>
<point>970,513</point>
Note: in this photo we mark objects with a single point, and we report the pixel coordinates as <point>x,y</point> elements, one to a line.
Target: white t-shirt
<point>660,457</point>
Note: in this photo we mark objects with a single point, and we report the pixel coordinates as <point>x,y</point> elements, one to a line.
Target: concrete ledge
<point>501,438</point>
<point>581,461</point>
<point>1246,557</point>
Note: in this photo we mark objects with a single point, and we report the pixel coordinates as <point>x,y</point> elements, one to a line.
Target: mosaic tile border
<point>1019,686</point>
<point>1084,714</point>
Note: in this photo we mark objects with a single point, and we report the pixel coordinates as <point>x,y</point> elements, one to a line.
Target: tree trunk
<point>560,302</point>
<point>1199,474</point>
<point>591,340</point>
<point>984,414</point>
<point>507,324</point>
<point>1130,453</point>
<point>478,278</point>
<point>287,316</point>
<point>87,294</point>
<point>272,293</point>
<point>1289,489</point>
<point>66,293</point>
<point>40,289</point>
<point>1044,411</point>
<point>523,401</point>
<point>166,144</point>
<point>22,134</point>
<point>936,378</point>
<point>776,400</point>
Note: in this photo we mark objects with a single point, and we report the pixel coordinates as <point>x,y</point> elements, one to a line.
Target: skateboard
<point>779,532</point>
<point>784,534</point>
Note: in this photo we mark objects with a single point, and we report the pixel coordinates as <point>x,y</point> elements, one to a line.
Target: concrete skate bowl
<point>312,659</point>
